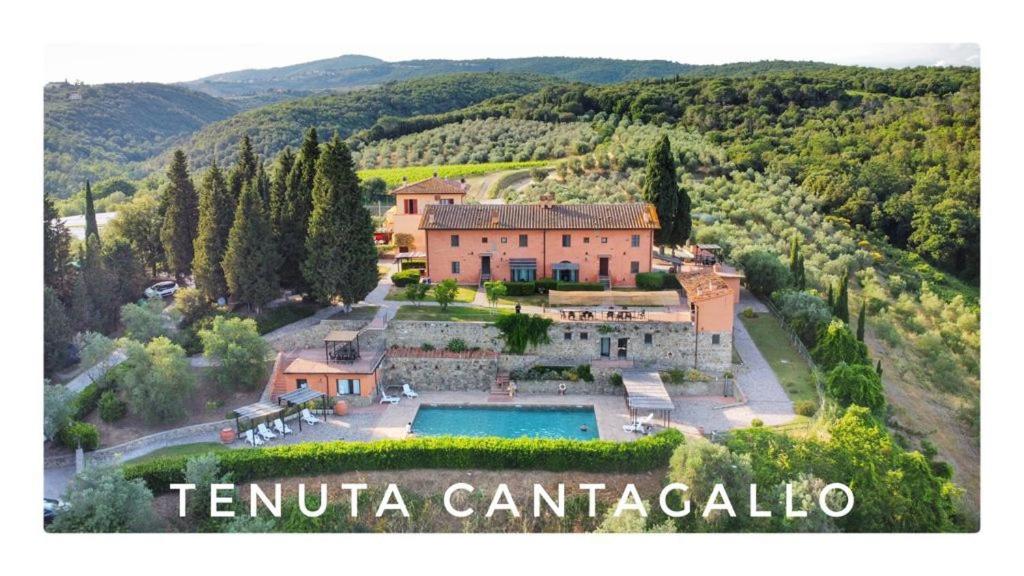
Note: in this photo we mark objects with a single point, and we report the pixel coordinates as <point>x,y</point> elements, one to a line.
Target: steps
<point>500,385</point>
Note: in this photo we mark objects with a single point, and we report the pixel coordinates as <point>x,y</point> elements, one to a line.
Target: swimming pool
<point>573,422</point>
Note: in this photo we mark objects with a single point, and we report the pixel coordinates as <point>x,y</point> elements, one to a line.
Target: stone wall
<point>313,336</point>
<point>415,333</point>
<point>440,370</point>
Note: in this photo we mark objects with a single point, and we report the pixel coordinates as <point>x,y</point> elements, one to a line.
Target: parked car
<point>162,289</point>
<point>51,508</point>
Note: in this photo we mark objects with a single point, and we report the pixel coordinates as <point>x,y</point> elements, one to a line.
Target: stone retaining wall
<point>313,336</point>
<point>469,372</point>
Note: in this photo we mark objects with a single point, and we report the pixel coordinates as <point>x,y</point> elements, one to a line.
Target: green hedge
<point>580,286</point>
<point>458,453</point>
<point>83,433</point>
<point>657,281</point>
<point>545,285</point>
<point>520,288</point>
<point>405,277</point>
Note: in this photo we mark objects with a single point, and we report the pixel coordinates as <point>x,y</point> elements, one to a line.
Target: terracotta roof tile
<point>703,285</point>
<point>433,185</point>
<point>538,217</point>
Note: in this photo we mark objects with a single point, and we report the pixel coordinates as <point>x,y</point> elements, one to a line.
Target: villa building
<point>411,202</point>
<point>607,243</point>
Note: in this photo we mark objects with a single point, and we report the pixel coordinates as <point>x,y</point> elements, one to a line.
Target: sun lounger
<point>640,425</point>
<point>265,432</point>
<point>253,439</point>
<point>385,399</point>
<point>281,427</point>
<point>308,417</point>
<point>408,391</point>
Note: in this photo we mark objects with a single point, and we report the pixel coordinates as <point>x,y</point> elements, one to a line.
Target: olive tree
<point>157,379</point>
<point>101,499</point>
<point>238,352</point>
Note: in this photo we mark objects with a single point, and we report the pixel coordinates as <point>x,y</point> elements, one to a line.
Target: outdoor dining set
<point>610,314</point>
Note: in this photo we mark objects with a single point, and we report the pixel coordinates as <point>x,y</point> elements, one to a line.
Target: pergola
<point>341,345</point>
<point>645,392</point>
<point>253,412</point>
<point>300,396</point>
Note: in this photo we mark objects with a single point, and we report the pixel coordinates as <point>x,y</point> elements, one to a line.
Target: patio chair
<point>308,417</point>
<point>265,432</point>
<point>640,425</point>
<point>385,399</point>
<point>252,438</point>
<point>281,427</point>
<point>561,313</point>
<point>408,391</point>
<point>611,315</point>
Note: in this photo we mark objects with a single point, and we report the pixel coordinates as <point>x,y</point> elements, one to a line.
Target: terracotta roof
<point>433,185</point>
<point>703,285</point>
<point>538,217</point>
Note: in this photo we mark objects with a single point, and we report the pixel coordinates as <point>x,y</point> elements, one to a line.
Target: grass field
<point>393,176</point>
<point>790,368</point>
<point>182,450</point>
<point>358,313</point>
<point>531,300</point>
<point>465,294</point>
<point>453,314</point>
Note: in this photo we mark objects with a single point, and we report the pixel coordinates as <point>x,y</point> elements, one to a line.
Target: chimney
<point>547,201</point>
<point>435,173</point>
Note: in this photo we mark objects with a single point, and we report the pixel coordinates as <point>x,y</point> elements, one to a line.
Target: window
<point>410,206</point>
<point>301,383</point>
<point>648,338</point>
<point>524,240</point>
<point>524,274</point>
<point>634,241</point>
<point>586,239</point>
<point>604,239</point>
<point>566,240</point>
<point>584,336</point>
<point>348,387</point>
<point>634,267</point>
<point>504,239</point>
<point>456,267</point>
<point>568,335</point>
<point>483,240</point>
<point>716,339</point>
<point>455,240</point>
<point>446,201</point>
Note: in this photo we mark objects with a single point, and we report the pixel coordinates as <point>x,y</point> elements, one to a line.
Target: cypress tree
<point>215,221</point>
<point>244,169</point>
<point>794,255</point>
<point>860,323</point>
<point>842,307</point>
<point>279,192</point>
<point>831,299</point>
<point>878,368</point>
<point>683,222</point>
<point>262,183</point>
<point>178,234</point>
<point>801,274</point>
<point>91,228</point>
<point>93,306</point>
<point>660,190</point>
<point>341,257</point>
<point>298,204</point>
<point>126,269</point>
<point>250,262</point>
<point>56,252</point>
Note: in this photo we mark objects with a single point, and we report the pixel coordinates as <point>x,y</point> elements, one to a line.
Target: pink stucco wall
<point>403,223</point>
<point>545,246</point>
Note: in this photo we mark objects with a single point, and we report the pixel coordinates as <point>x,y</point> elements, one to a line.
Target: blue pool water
<point>507,421</point>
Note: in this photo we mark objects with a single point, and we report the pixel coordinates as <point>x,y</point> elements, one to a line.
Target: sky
<point>100,63</point>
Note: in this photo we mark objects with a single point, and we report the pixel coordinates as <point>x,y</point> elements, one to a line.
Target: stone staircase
<point>499,389</point>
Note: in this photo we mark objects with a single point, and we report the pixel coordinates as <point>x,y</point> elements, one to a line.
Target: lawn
<point>273,318</point>
<point>790,368</point>
<point>453,314</point>
<point>182,450</point>
<point>357,313</point>
<point>465,294</point>
<point>531,300</point>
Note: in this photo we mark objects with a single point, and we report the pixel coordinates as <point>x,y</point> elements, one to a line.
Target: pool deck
<point>609,411</point>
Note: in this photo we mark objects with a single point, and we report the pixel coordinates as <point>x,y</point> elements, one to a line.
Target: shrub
<point>805,313</point>
<point>836,345</point>
<point>805,408</point>
<point>111,407</point>
<point>405,277</point>
<point>855,384</point>
<point>456,345</point>
<point>520,288</point>
<point>144,321</point>
<point>316,458</point>
<point>765,272</point>
<point>58,409</point>
<point>426,347</point>
<point>157,379</point>
<point>616,379</point>
<point>756,423</point>
<point>583,371</point>
<point>749,313</point>
<point>545,285</point>
<point>191,305</point>
<point>521,331</point>
<point>579,286</point>
<point>240,354</point>
<point>650,280</point>
<point>445,292</point>
<point>82,434</point>
<point>101,499</point>
<point>414,264</point>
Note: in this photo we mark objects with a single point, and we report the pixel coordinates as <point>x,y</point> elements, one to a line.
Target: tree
<point>251,261</point>
<point>700,465</point>
<point>796,264</point>
<point>416,292</point>
<point>140,223</point>
<point>860,322</point>
<point>682,225</point>
<point>216,213</point>
<point>144,321</point>
<point>842,305</point>
<point>243,171</point>
<point>57,332</point>
<point>178,234</point>
<point>661,190</point>
<point>157,379</point>
<point>298,204</point>
<point>203,471</point>
<point>56,251</point>
<point>805,313</point>
<point>91,228</point>
<point>445,291</point>
<point>239,352</point>
<point>278,207</point>
<point>191,305</point>
<point>341,258</point>
<point>855,384</point>
<point>101,499</point>
<point>93,308</point>
<point>97,351</point>
<point>496,290</point>
<point>125,268</point>
<point>837,344</point>
<point>58,409</point>
<point>764,271</point>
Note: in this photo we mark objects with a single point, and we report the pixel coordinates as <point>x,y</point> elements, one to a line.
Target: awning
<point>565,266</point>
<point>300,396</point>
<point>257,410</point>
<point>646,391</point>
<point>515,263</point>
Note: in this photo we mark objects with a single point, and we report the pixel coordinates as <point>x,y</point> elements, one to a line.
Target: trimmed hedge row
<point>460,453</point>
<point>405,277</point>
<point>520,288</point>
<point>657,281</point>
<point>580,286</point>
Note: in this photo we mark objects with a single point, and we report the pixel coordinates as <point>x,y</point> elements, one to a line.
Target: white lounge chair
<point>281,428</point>
<point>253,439</point>
<point>408,391</point>
<point>385,399</point>
<point>308,417</point>
<point>640,425</point>
<point>265,432</point>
